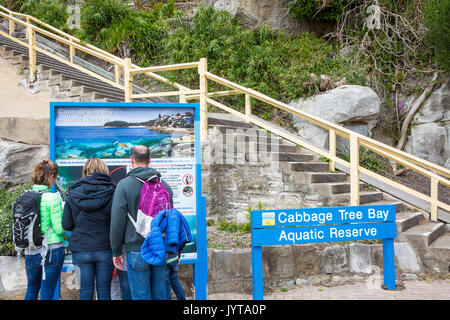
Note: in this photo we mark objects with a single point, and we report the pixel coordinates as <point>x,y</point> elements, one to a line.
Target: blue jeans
<point>96,269</point>
<point>147,282</point>
<point>53,265</point>
<point>172,281</point>
<point>124,285</point>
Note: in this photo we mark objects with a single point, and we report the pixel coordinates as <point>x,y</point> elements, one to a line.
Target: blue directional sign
<point>311,225</point>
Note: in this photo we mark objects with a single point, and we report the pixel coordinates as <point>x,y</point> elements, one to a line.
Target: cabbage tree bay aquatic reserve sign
<point>295,226</point>
<point>311,225</point>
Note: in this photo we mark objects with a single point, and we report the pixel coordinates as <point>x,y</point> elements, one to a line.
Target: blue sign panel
<point>311,225</point>
<point>322,216</point>
<point>328,233</point>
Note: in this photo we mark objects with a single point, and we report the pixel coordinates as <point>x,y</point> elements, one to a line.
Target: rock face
<point>17,161</point>
<point>274,13</point>
<point>354,107</point>
<point>430,129</point>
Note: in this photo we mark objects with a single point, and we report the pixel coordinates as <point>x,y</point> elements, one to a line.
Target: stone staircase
<point>302,172</point>
<point>62,81</point>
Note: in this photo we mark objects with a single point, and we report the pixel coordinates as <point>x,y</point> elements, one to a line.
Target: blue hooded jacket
<point>177,234</point>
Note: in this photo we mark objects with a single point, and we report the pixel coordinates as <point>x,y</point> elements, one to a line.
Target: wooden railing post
<point>248,108</point>
<point>128,80</point>
<point>202,68</point>
<point>117,73</point>
<point>11,27</point>
<point>354,170</point>
<point>71,50</point>
<point>332,150</point>
<point>434,198</point>
<point>182,96</point>
<point>31,53</point>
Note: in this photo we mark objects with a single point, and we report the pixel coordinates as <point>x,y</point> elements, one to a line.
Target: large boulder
<point>17,161</point>
<point>352,106</point>
<point>430,129</point>
<point>274,13</point>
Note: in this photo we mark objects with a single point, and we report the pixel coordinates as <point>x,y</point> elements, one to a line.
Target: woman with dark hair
<point>43,177</point>
<point>87,213</point>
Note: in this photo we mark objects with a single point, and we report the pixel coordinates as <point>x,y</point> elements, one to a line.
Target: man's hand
<point>118,262</point>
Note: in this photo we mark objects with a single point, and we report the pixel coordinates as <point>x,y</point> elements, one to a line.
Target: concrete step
<point>399,206</point>
<point>406,220</point>
<point>253,146</point>
<point>422,235</point>
<point>7,53</point>
<point>79,91</point>
<point>443,242</point>
<point>283,156</point>
<point>342,187</point>
<point>91,97</point>
<point>327,177</point>
<point>69,84</point>
<point>305,166</point>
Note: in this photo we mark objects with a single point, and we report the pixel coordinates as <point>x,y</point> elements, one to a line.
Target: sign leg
<point>388,264</point>
<point>201,267</point>
<point>257,274</point>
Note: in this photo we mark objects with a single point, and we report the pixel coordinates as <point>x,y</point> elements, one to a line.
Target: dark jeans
<point>53,265</point>
<point>96,269</point>
<point>172,281</point>
<point>124,285</point>
<point>147,282</point>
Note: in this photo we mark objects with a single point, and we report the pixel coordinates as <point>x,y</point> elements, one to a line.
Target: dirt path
<point>17,101</point>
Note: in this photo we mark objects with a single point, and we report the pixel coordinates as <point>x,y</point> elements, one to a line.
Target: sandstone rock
<point>325,83</point>
<point>406,257</point>
<point>334,259</point>
<point>354,107</point>
<point>430,141</point>
<point>274,13</point>
<point>435,108</point>
<point>430,129</point>
<point>17,161</point>
<point>360,258</point>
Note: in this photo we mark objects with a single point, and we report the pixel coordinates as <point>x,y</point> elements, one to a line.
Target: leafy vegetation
<point>7,199</point>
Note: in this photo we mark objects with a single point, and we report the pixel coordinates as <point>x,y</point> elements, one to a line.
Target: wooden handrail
<point>435,173</point>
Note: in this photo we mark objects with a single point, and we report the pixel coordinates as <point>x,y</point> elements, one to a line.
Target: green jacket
<point>126,199</point>
<point>51,214</point>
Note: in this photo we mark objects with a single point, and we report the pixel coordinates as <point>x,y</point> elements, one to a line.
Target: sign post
<point>171,131</point>
<point>311,225</point>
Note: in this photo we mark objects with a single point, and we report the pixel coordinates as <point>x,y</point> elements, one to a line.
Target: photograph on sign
<point>110,132</point>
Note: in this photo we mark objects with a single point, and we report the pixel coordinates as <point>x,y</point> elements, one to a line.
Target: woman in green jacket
<point>45,279</point>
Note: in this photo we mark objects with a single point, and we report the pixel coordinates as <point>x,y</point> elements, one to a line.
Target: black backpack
<point>27,221</point>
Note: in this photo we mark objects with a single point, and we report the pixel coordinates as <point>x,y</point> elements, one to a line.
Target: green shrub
<point>7,198</point>
<point>53,12</point>
<point>97,16</point>
<point>271,62</point>
<point>314,9</point>
<point>437,20</point>
<point>367,159</point>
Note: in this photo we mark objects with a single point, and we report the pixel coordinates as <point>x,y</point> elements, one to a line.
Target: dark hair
<point>44,172</point>
<point>140,154</point>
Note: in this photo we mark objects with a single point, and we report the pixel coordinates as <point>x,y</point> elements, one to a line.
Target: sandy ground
<point>18,101</point>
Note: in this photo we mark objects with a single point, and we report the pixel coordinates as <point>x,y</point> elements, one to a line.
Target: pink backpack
<point>154,197</point>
